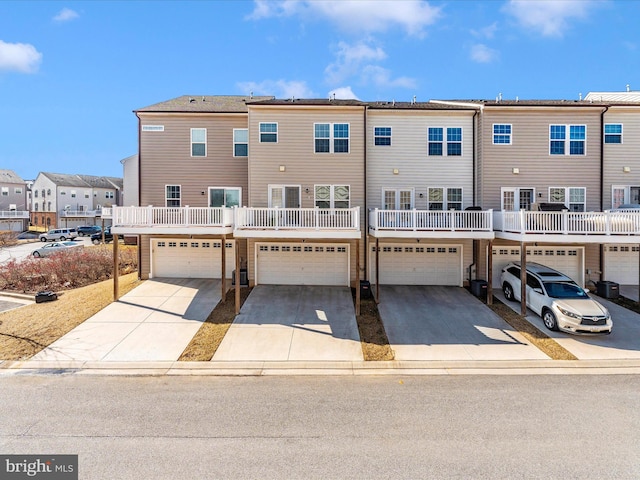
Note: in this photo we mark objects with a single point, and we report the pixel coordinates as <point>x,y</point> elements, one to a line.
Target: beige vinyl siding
<point>408,154</point>
<point>529,152</point>
<point>165,157</point>
<point>617,156</point>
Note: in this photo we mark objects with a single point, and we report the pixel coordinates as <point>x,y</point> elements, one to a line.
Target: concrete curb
<point>21,296</point>
<point>407,368</point>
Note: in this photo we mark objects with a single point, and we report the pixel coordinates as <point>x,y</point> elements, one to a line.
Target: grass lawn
<point>26,330</point>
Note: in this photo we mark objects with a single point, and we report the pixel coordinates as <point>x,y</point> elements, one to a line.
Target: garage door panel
<point>191,258</point>
<point>621,264</point>
<point>568,260</point>
<point>302,264</point>
<point>402,264</point>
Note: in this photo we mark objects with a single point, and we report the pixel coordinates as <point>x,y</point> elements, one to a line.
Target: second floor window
<point>613,133</point>
<point>382,136</point>
<point>331,137</point>
<point>501,134</point>
<point>198,142</point>
<point>268,133</point>
<point>332,196</point>
<point>576,135</point>
<point>240,142</point>
<point>436,141</point>
<point>5,191</point>
<point>173,195</point>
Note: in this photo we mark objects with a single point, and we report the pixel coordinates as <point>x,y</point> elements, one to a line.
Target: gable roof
<point>9,176</point>
<point>204,104</point>
<point>83,181</point>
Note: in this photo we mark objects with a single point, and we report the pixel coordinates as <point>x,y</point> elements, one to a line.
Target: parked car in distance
<point>61,234</point>
<point>56,247</point>
<point>561,302</point>
<point>96,238</point>
<point>88,230</point>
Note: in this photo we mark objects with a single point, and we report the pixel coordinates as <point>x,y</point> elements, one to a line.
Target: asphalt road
<point>24,250</point>
<point>584,427</point>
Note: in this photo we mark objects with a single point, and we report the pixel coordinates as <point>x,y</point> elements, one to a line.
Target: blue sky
<point>71,73</point>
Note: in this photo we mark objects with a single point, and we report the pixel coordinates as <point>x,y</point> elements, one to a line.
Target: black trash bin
<point>607,289</point>
<point>479,288</point>
<point>244,279</point>
<point>46,296</point>
<point>365,289</point>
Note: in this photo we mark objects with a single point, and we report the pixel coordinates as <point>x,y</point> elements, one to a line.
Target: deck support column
<point>237,292</point>
<point>490,273</point>
<point>116,262</point>
<point>377,270</point>
<point>523,279</point>
<point>358,277</point>
<point>224,268</point>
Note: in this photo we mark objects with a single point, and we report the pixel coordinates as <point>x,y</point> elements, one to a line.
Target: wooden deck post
<point>358,277</point>
<point>377,271</point>
<point>116,270</point>
<point>237,292</point>
<point>523,279</point>
<point>490,273</point>
<point>224,269</point>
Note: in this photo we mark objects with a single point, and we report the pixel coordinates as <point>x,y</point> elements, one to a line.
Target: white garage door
<point>621,264</point>
<point>403,264</point>
<point>302,264</point>
<point>568,260</point>
<point>188,258</point>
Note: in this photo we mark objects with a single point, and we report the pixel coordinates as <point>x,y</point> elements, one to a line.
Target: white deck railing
<point>172,216</point>
<point>431,220</point>
<point>14,214</point>
<point>262,218</point>
<point>79,213</point>
<point>566,223</point>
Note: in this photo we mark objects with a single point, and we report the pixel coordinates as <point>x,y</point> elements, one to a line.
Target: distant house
<point>14,214</point>
<point>70,200</point>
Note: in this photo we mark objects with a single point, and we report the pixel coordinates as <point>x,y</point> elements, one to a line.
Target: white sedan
<point>55,247</point>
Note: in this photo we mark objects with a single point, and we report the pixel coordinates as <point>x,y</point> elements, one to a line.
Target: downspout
<point>139,191</point>
<point>602,183</point>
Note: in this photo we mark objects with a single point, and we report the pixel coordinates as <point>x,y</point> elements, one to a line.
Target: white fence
<point>259,218</point>
<point>431,220</point>
<point>172,216</point>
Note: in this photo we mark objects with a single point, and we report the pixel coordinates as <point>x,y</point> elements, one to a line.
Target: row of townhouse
<point>333,192</point>
<point>55,200</point>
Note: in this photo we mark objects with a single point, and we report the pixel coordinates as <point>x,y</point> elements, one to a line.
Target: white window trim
<point>621,133</point>
<point>380,136</point>
<point>153,128</point>
<point>445,150</point>
<point>516,191</point>
<point>276,133</point>
<point>18,191</point>
<point>493,134</point>
<point>567,196</point>
<point>192,142</point>
<point>282,187</point>
<point>166,199</point>
<point>445,197</point>
<point>331,193</point>
<point>331,139</point>
<point>567,140</point>
<point>225,189</point>
<point>397,192</point>
<point>240,143</point>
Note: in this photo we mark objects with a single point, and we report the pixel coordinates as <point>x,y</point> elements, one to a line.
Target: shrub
<point>65,269</point>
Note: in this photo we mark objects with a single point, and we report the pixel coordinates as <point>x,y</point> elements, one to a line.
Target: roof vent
<point>413,100</point>
<point>580,96</point>
<point>203,99</point>
<point>517,99</point>
<point>628,87</point>
<point>393,102</point>
<point>191,100</point>
<point>250,94</point>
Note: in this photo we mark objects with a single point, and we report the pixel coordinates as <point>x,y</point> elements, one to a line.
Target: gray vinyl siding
<point>13,198</point>
<point>165,158</point>
<point>618,156</point>
<point>408,154</point>
<point>529,152</point>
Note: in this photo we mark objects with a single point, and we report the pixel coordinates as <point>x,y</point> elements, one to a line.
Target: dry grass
<point>208,338</point>
<point>536,337</point>
<point>373,337</point>
<point>27,330</point>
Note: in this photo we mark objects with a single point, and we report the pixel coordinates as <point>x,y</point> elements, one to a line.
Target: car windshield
<point>564,290</point>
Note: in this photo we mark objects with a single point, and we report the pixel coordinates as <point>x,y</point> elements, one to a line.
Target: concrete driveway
<point>622,343</point>
<point>290,322</point>
<point>153,322</point>
<point>447,323</point>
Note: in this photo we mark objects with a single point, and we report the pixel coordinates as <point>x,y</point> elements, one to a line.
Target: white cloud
<point>381,77</point>
<point>343,93</point>
<point>278,88</point>
<point>350,59</point>
<point>355,15</point>
<point>550,18</point>
<point>486,32</point>
<point>19,57</point>
<point>65,15</point>
<point>482,54</point>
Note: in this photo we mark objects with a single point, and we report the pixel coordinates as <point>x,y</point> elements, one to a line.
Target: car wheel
<point>96,242</point>
<point>549,320</point>
<point>36,254</point>
<point>62,239</point>
<point>508,292</point>
<point>43,239</point>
